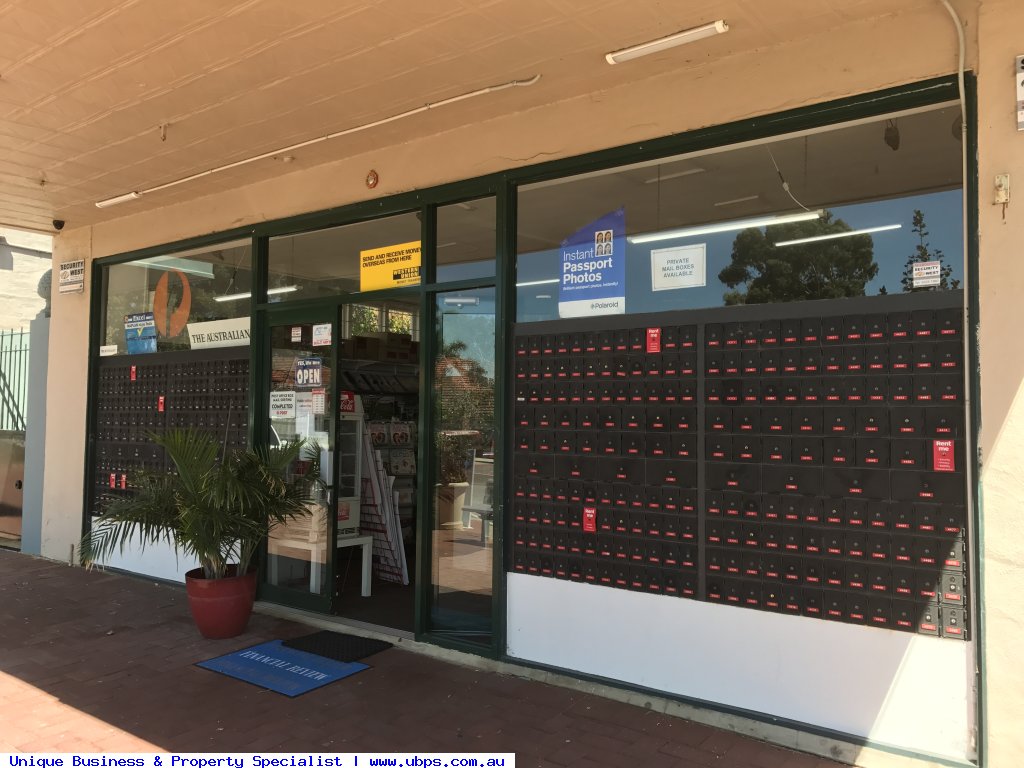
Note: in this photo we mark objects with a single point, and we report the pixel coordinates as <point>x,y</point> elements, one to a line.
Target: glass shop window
<point>842,211</point>
<point>179,301</point>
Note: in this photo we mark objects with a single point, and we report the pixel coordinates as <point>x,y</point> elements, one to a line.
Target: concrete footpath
<point>98,662</point>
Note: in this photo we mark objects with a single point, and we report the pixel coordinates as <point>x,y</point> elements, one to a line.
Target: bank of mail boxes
<point>811,465</point>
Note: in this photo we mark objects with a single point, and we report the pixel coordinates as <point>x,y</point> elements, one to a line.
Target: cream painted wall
<point>1001,150</point>
<point>66,390</point>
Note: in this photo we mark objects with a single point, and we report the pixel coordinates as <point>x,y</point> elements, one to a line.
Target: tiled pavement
<point>96,662</point>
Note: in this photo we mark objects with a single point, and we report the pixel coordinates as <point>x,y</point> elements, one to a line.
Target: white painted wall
<point>157,560</point>
<point>895,688</point>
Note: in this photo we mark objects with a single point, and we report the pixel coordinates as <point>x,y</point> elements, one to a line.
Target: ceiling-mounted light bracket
<point>671,41</point>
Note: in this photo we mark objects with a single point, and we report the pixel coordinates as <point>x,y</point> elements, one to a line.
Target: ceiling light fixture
<point>676,175</point>
<point>246,295</point>
<point>462,301</point>
<point>730,226</point>
<point>837,235</point>
<point>337,134</point>
<point>671,41</point>
<point>119,199</point>
<point>536,282</point>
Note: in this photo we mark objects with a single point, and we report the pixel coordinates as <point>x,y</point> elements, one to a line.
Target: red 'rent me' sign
<point>942,456</point>
<point>654,339</point>
<point>590,519</point>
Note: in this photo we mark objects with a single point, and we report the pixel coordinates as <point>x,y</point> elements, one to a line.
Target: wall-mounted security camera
<point>58,224</point>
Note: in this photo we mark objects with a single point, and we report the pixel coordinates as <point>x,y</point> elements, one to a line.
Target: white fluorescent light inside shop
<point>246,295</point>
<point>729,226</point>
<point>837,235</point>
<point>664,43</point>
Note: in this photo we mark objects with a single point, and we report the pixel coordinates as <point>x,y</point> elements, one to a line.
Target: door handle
<point>17,484</point>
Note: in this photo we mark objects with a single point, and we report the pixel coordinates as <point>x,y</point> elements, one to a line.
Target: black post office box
<point>686,364</point>
<point>855,511</point>
<point>948,388</point>
<point>857,611</point>
<point>789,331</point>
<point>714,560</point>
<point>658,446</point>
<point>682,418</point>
<point>810,361</point>
<point>805,480</point>
<point>923,322</point>
<point>876,358</point>
<point>609,417</point>
<point>771,507</point>
<point>523,417</point>
<point>524,440</point>
<point>954,621</point>
<point>839,421</point>
<point>791,508</point>
<point>778,421</point>
<point>634,417</point>
<point>952,588</point>
<point>714,363</point>
<point>924,390</point>
<point>633,445</point>
<point>769,332</point>
<point>900,326</point>
<point>732,391</point>
<point>658,419</point>
<point>714,336</point>
<point>878,547</point>
<point>944,422</point>
<point>751,564</point>
<point>792,599</point>
<point>834,605</point>
<point>832,391</point>
<point>718,447</point>
<point>792,541</point>
<point>746,448</point>
<point>948,323</point>
<point>835,574</point>
<point>731,364</point>
<point>813,541</point>
<point>813,510</point>
<point>608,444</point>
<point>544,441</point>
<point>812,391</point>
<point>746,420</point>
<point>738,477</point>
<point>926,584</point>
<point>777,450</point>
<point>908,454</point>
<point>872,452</point>
<point>952,554</point>
<point>770,362</point>
<point>876,389</point>
<point>832,360</point>
<point>606,341</point>
<point>855,544</point>
<point>813,328</point>
<point>855,360</point>
<point>855,391</point>
<point>855,328</point>
<point>789,362</point>
<point>907,422</point>
<point>572,466</point>
<point>880,611</point>
<point>772,537</point>
<point>839,451</point>
<point>586,417</point>
<point>672,472</point>
<point>875,327</point>
<point>951,519</point>
<point>653,365</point>
<point>904,582</point>
<point>750,506</point>
<point>589,443</point>
<point>714,502</point>
<point>857,483</point>
<point>901,390</point>
<point>872,421</point>
<point>807,421</point>
<point>937,487</point>
<point>750,362</point>
<point>813,571</point>
<point>792,570</point>
<point>807,450</point>
<point>732,565</point>
<point>879,579</point>
<point>901,358</point>
<point>902,549</point>
<point>771,566</point>
<point>905,615</point>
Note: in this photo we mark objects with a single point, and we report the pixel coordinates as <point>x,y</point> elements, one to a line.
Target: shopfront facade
<point>716,405</point>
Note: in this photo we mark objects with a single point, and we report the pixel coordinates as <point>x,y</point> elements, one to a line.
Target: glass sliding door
<point>462,473</point>
<point>300,407</point>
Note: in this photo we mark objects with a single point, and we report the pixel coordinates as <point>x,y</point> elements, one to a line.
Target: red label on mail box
<point>942,456</point>
<point>654,339</point>
<point>590,519</point>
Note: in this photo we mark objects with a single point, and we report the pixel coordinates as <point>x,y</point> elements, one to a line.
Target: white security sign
<point>72,276</point>
<point>927,274</point>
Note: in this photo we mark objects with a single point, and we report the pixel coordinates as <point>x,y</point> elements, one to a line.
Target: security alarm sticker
<point>593,269</point>
<point>927,274</point>
<point>308,373</point>
<point>72,277</point>
<point>654,340</point>
<point>322,335</point>
<point>590,519</point>
<point>942,456</point>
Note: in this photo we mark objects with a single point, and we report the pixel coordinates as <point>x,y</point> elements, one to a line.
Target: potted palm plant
<point>216,507</point>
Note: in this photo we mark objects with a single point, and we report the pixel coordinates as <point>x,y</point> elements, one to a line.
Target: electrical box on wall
<point>1018,76</point>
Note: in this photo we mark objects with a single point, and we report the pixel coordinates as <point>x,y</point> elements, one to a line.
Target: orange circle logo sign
<point>170,321</point>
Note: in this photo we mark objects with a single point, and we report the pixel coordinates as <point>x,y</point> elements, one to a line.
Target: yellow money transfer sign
<point>390,266</point>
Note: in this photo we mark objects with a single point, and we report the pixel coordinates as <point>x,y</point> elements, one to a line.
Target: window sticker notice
<point>282,405</point>
<point>682,267</point>
<point>322,335</point>
<point>927,274</point>
<point>308,373</point>
<point>390,266</point>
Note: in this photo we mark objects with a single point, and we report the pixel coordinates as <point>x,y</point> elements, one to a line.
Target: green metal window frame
<point>504,186</point>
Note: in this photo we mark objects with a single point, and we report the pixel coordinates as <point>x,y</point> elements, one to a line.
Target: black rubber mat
<point>335,645</point>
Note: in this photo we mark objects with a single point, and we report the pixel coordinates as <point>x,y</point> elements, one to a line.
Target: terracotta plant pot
<point>220,607</point>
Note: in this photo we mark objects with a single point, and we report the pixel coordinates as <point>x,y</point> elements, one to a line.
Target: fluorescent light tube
<point>837,235</point>
<point>729,226</point>
<point>270,292</point>
<point>746,199</point>
<point>462,301</point>
<point>118,200</point>
<point>536,282</point>
<point>663,43</point>
<point>676,175</point>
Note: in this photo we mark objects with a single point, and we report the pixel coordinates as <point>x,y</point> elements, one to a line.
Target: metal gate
<point>14,346</point>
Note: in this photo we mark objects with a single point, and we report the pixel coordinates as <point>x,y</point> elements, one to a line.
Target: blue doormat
<point>284,670</point>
